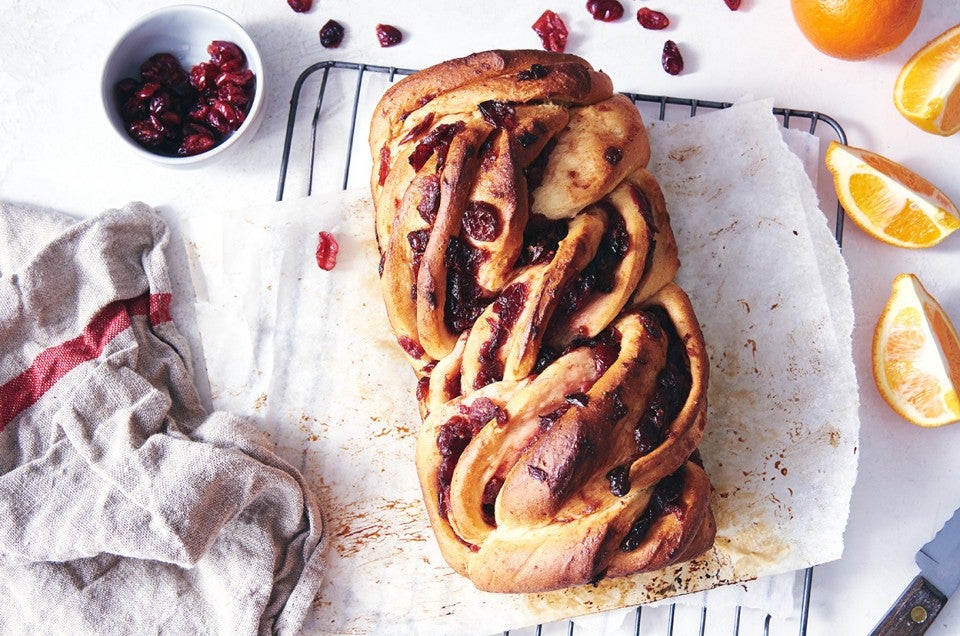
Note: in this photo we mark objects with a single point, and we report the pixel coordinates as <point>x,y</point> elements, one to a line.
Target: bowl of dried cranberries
<point>183,85</point>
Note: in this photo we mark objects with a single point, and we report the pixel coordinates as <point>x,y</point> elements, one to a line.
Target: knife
<point>918,606</point>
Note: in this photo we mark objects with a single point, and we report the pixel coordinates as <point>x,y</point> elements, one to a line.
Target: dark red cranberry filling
<point>664,501</point>
<point>418,245</point>
<point>429,203</point>
<point>535,72</point>
<point>507,308</point>
<point>498,114</point>
<point>481,221</point>
<point>489,499</point>
<point>418,131</point>
<point>541,238</point>
<point>465,300</point>
<point>438,141</point>
<point>619,478</point>
<point>673,385</point>
<point>456,434</point>
<point>600,274</point>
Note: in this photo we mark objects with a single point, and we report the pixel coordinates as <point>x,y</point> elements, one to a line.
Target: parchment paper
<point>310,355</point>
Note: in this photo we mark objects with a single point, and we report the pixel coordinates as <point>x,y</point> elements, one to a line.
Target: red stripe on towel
<point>52,364</point>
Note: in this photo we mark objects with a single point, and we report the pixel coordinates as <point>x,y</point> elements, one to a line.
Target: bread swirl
<point>526,266</point>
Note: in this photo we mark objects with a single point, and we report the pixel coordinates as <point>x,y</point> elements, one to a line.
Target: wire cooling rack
<point>323,149</point>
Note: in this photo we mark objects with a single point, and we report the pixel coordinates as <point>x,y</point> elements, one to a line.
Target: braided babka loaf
<point>526,265</point>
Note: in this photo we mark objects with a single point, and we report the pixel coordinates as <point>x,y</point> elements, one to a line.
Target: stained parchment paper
<point>309,354</point>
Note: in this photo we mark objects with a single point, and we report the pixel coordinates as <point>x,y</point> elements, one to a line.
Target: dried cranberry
<point>483,410</point>
<point>148,132</point>
<point>419,129</point>
<point>164,69</point>
<point>481,221</point>
<point>327,248</point>
<point>498,114</point>
<point>226,55</point>
<point>196,142</point>
<point>418,245</point>
<point>605,10</point>
<point>232,94</point>
<point>650,19</point>
<point>388,35</point>
<point>619,478</point>
<point>464,301</point>
<point>527,139</point>
<point>384,169</point>
<point>203,75</point>
<point>232,115</point>
<point>331,34</point>
<point>241,78</point>
<point>438,141</point>
<point>300,6</point>
<point>733,4</point>
<point>664,501</point>
<point>411,346</point>
<point>535,72</point>
<point>489,499</point>
<point>510,303</point>
<point>671,59</point>
<point>429,203</point>
<point>552,31</point>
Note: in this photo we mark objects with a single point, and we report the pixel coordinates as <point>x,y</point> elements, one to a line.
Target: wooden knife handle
<point>914,611</point>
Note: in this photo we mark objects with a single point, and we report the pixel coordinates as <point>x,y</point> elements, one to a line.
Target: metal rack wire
<point>318,78</point>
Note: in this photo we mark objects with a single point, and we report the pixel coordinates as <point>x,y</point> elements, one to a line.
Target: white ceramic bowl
<point>184,31</point>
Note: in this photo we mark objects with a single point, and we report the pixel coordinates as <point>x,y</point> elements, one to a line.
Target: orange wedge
<point>926,91</point>
<point>887,200</point>
<point>916,356</point>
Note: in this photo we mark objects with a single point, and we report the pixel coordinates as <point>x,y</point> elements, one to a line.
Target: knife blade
<point>917,607</point>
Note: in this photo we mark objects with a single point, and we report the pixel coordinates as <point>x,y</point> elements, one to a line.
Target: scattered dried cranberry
<point>552,31</point>
<point>605,10</point>
<point>671,59</point>
<point>327,249</point>
<point>733,4</point>
<point>300,6</point>
<point>388,35</point>
<point>331,34</point>
<point>650,19</point>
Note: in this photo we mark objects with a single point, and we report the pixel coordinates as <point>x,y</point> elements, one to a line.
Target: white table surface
<point>56,150</point>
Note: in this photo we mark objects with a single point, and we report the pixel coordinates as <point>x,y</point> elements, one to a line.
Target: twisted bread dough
<point>526,266</point>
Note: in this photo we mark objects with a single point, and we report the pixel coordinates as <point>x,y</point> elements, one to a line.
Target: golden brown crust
<point>527,268</point>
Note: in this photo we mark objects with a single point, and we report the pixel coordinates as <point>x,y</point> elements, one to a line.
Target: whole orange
<point>856,29</point>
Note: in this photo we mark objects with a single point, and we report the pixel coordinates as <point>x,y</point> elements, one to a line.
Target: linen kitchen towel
<point>125,508</point>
